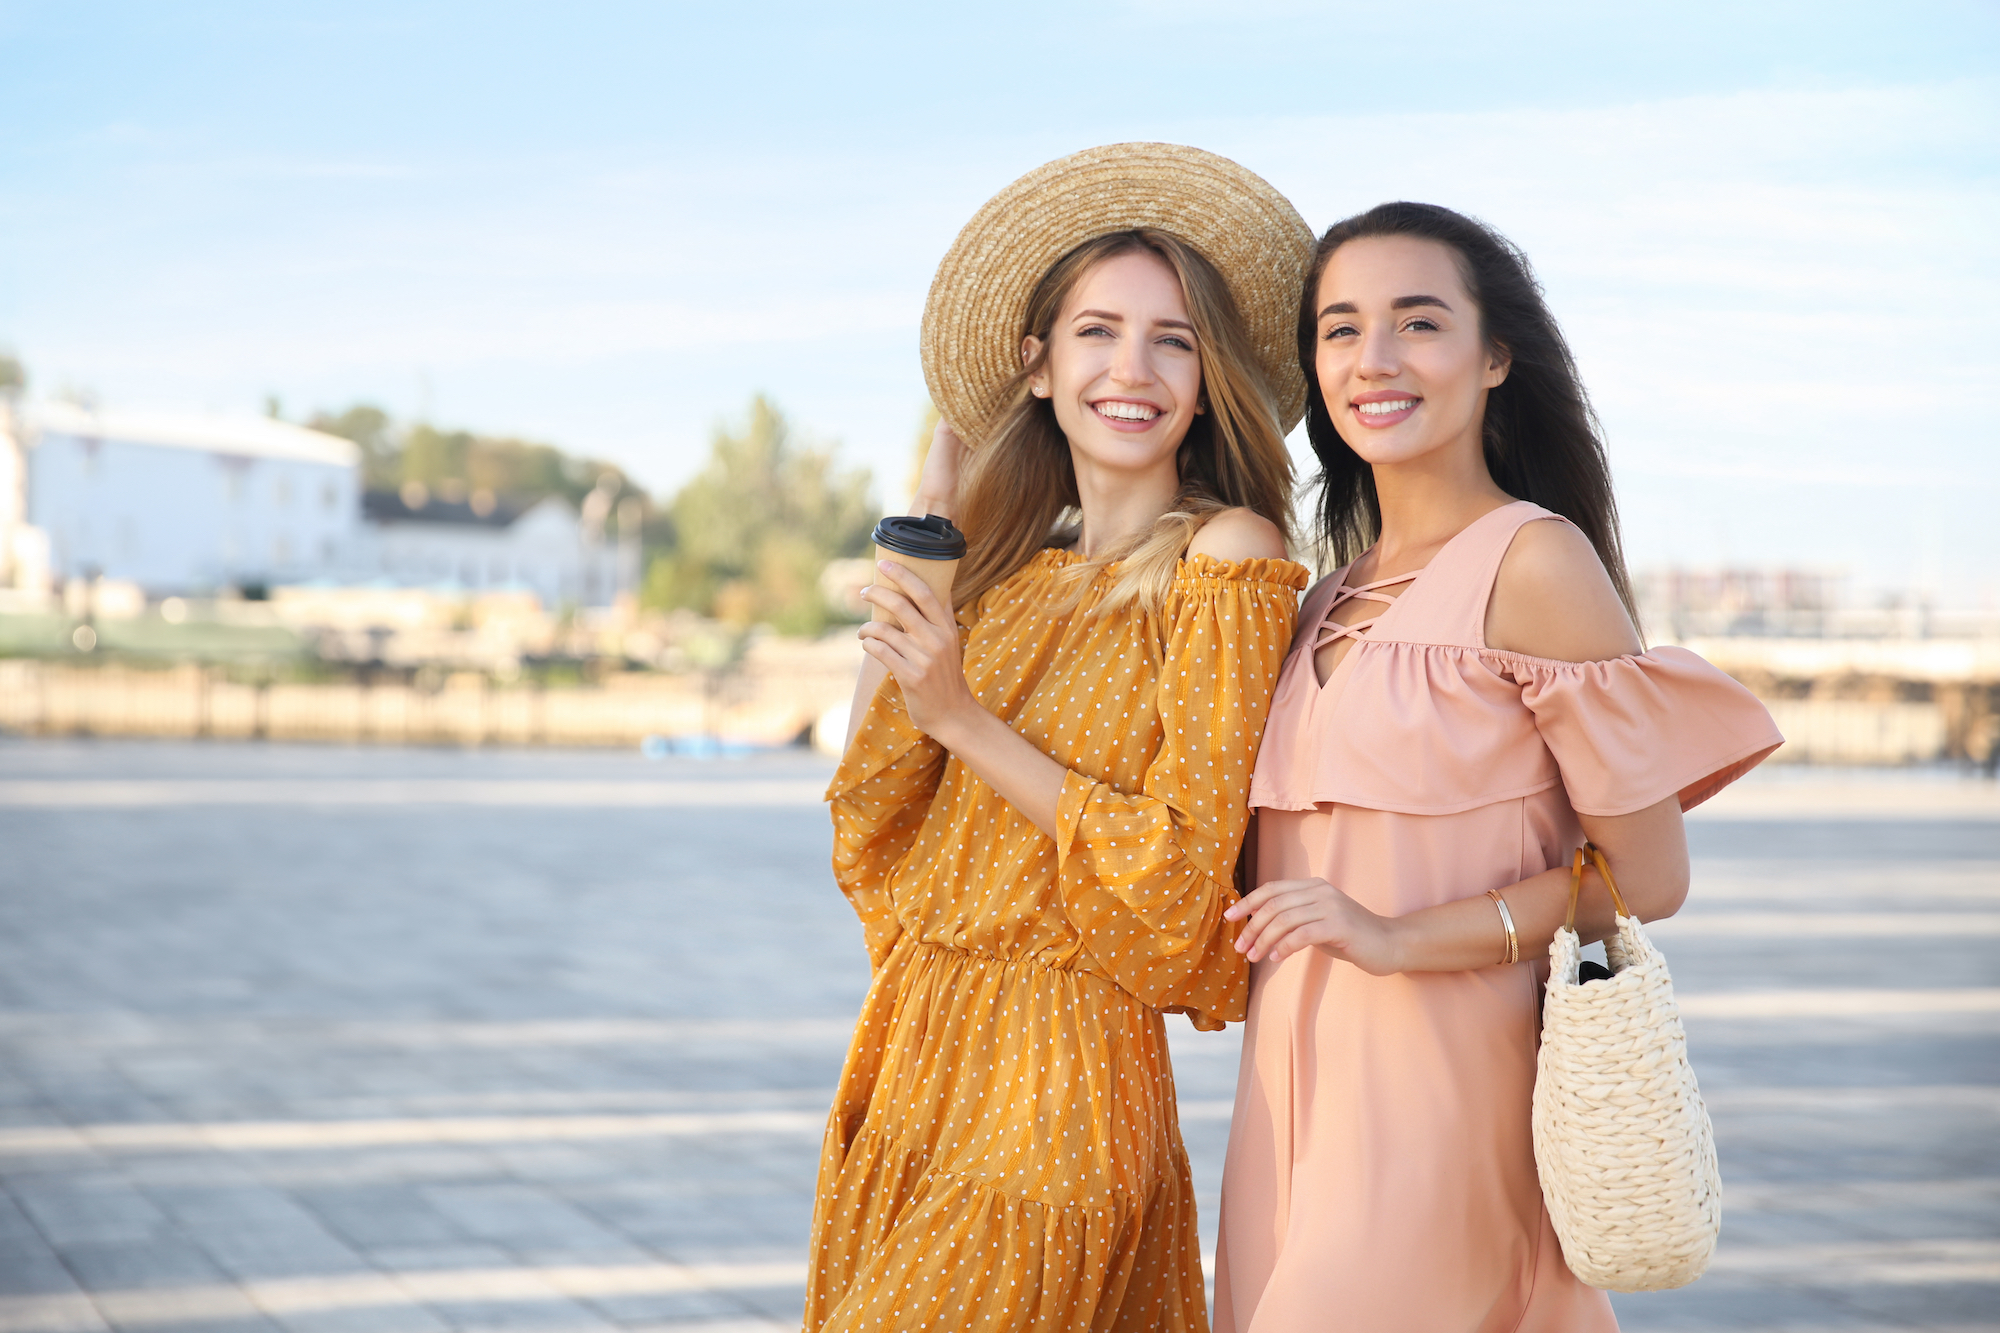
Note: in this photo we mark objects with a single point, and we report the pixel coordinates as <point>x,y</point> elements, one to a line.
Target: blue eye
<point>1338,331</point>
<point>1181,343</point>
<point>1421,325</point>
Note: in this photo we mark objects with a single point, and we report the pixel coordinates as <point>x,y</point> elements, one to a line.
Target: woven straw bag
<point>1623,1142</point>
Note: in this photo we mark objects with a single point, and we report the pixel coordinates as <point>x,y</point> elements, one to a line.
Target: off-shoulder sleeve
<point>1632,731</point>
<point>1146,876</point>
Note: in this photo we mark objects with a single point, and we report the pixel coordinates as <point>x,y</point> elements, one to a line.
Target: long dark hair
<point>1542,440</point>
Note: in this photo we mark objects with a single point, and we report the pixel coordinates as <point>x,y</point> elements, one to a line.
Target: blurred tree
<point>13,376</point>
<point>369,427</point>
<point>753,531</point>
<point>435,457</point>
<point>458,463</point>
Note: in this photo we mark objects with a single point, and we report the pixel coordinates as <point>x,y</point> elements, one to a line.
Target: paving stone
<point>312,968</point>
<point>405,1318</point>
<point>15,1224</point>
<point>29,1267</point>
<point>722,1325</point>
<point>51,1312</point>
<point>522,1218</point>
<point>701,1307</point>
<point>375,1216</point>
<point>87,1206</point>
<point>158,1262</point>
<point>437,1258</point>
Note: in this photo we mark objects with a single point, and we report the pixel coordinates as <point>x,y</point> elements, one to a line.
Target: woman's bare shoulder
<point>1239,534</point>
<point>1553,599</point>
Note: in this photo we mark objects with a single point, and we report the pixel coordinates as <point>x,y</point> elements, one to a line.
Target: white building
<point>480,543</point>
<point>183,503</point>
<point>178,504</point>
<point>20,545</point>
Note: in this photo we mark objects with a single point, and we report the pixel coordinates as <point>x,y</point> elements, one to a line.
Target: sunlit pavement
<point>329,1039</point>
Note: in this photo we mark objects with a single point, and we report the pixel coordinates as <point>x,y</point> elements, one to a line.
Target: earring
<point>1038,391</point>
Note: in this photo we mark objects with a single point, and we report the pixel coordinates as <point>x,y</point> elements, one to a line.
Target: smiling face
<point>1400,357</point>
<point>1123,371</point>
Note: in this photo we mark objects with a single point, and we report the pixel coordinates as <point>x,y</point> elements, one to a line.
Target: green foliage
<point>458,462</point>
<point>754,530</point>
<point>745,541</point>
<point>369,427</point>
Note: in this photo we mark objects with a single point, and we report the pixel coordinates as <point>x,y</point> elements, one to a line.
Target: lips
<point>1126,415</point>
<point>1381,409</point>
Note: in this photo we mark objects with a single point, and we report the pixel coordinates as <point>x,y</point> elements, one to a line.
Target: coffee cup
<point>929,547</point>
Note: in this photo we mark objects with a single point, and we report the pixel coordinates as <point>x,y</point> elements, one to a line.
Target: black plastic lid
<point>929,538</point>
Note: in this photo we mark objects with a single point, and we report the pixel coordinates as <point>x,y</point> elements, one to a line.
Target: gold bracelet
<point>1512,953</point>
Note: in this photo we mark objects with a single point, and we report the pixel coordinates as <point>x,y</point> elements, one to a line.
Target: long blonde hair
<point>1019,492</point>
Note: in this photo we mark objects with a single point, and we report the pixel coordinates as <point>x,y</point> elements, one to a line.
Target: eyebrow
<point>1400,303</point>
<point>1120,319</point>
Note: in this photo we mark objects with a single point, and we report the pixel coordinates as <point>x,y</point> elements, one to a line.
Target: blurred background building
<point>177,503</point>
<point>361,578</point>
<point>479,542</point>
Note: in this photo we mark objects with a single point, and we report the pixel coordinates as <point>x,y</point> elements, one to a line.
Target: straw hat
<point>1257,241</point>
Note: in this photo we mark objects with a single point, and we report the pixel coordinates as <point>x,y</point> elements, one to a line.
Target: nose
<point>1380,356</point>
<point>1132,364</point>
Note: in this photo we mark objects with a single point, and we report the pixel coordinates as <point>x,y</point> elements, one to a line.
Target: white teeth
<point>1385,408</point>
<point>1128,411</point>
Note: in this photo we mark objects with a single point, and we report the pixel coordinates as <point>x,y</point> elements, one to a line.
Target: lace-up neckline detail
<point>1330,631</point>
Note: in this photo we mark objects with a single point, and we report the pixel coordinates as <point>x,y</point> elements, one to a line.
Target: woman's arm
<point>924,659</point>
<point>925,662</point>
<point>1647,853</point>
<point>1551,600</point>
<point>937,493</point>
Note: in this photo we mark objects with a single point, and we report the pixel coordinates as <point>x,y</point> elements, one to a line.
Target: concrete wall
<point>466,708</point>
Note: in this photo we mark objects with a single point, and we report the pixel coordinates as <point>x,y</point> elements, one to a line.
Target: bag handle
<point>1576,883</point>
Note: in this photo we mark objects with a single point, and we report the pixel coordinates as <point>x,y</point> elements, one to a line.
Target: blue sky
<point>1772,231</point>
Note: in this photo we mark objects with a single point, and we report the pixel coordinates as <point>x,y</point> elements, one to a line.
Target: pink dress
<point>1381,1173</point>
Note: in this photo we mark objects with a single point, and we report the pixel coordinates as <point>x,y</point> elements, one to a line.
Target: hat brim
<point>973,318</point>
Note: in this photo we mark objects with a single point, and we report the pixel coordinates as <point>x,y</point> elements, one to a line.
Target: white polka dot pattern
<point>1003,1152</point>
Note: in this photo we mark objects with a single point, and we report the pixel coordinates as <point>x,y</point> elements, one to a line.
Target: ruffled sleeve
<point>1146,876</point>
<point>1629,732</point>
<point>879,797</point>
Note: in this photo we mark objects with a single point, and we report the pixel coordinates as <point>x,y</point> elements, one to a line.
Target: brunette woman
<point>1038,813</point>
<point>1468,701</point>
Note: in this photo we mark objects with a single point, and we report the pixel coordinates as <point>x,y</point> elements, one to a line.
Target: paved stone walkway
<point>330,1040</point>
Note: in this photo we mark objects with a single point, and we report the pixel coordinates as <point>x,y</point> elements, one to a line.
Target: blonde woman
<point>1038,814</point>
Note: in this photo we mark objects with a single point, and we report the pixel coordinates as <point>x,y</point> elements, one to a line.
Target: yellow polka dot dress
<point>1003,1152</point>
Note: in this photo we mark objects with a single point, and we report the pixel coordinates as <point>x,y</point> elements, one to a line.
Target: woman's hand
<point>1287,915</point>
<point>937,484</point>
<point>922,654</point>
